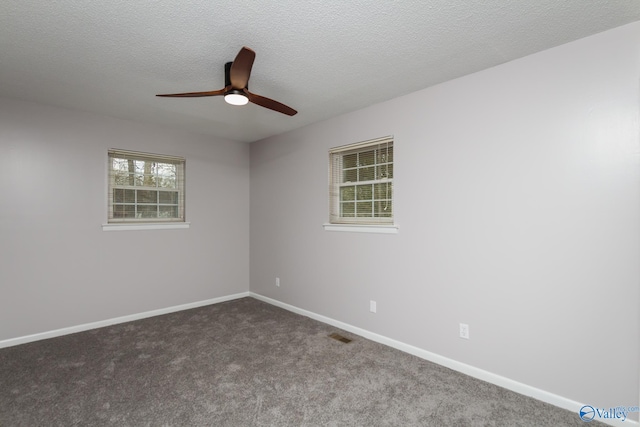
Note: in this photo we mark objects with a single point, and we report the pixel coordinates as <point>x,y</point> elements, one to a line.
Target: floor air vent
<point>340,338</point>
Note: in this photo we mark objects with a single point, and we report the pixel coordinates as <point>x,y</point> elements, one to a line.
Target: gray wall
<point>59,269</point>
<point>517,196</point>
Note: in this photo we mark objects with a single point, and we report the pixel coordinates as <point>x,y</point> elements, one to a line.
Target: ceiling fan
<point>236,90</point>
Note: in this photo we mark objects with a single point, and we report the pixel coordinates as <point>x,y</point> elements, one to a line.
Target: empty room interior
<point>497,235</point>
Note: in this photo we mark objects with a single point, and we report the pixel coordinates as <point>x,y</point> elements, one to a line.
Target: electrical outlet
<point>277,281</point>
<point>464,331</point>
<point>372,306</point>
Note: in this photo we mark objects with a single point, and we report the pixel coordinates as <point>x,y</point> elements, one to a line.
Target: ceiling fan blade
<point>241,68</point>
<point>195,94</point>
<point>270,104</point>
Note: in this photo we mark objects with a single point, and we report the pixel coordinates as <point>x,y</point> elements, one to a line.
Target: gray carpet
<point>244,363</point>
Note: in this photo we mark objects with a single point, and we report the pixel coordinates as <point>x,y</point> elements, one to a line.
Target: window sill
<point>355,228</point>
<point>147,226</point>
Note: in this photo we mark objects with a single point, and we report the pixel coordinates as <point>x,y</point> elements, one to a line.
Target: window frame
<point>373,223</point>
<point>114,223</point>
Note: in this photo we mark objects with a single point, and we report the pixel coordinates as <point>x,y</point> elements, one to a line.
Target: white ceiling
<point>321,57</point>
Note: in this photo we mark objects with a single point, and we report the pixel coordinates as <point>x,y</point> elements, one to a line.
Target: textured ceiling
<point>321,57</point>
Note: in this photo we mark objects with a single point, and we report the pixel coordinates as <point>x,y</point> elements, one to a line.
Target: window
<point>145,188</point>
<point>361,183</point>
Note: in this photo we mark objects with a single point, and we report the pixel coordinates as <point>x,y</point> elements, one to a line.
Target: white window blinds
<point>361,183</point>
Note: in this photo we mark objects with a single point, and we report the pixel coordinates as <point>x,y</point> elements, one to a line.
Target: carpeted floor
<point>244,363</point>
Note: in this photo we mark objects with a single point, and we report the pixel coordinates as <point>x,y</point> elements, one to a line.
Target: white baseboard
<point>102,323</point>
<point>472,371</point>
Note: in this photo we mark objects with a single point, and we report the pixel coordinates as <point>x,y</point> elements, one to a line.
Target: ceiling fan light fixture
<point>236,97</point>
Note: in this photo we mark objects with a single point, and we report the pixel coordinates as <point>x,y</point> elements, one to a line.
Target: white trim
<point>518,387</point>
<point>137,155</point>
<point>362,144</point>
<point>356,228</point>
<point>102,323</point>
<point>145,226</point>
